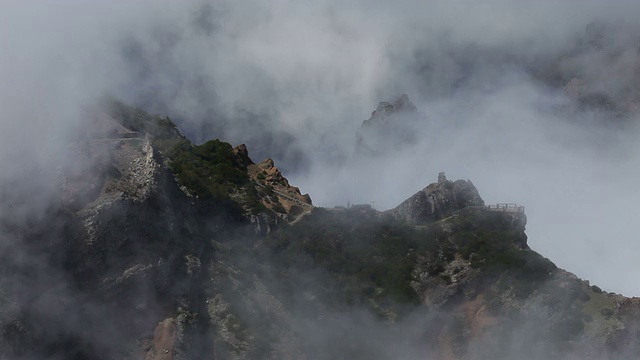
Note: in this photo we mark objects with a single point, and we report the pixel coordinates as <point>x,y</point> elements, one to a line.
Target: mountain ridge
<point>169,250</point>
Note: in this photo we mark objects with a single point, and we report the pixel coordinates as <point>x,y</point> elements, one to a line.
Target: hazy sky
<point>295,80</point>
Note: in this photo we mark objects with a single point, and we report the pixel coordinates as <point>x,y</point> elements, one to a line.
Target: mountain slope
<point>156,248</point>
<point>464,287</point>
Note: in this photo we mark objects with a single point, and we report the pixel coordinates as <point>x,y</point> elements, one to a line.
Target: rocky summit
<point>437,201</point>
<point>390,128</point>
<point>156,248</point>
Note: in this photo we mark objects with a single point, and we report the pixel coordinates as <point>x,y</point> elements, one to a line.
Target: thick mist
<point>295,81</point>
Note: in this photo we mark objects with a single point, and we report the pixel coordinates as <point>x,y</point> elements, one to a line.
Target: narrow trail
<point>290,198</point>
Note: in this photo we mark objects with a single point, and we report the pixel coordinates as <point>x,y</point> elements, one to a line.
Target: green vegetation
<point>209,170</point>
<point>600,307</point>
<point>277,207</point>
<point>296,210</point>
<point>369,257</point>
<point>490,243</point>
<point>161,128</point>
<point>374,258</point>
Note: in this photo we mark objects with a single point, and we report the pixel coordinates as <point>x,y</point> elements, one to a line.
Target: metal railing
<point>514,208</point>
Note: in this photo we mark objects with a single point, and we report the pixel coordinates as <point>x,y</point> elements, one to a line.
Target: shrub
<point>277,207</point>
<point>606,312</point>
<point>209,170</point>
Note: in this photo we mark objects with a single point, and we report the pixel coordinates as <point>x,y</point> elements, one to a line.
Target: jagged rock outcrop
<point>390,127</point>
<point>437,201</point>
<point>273,177</point>
<point>242,155</point>
<point>275,192</point>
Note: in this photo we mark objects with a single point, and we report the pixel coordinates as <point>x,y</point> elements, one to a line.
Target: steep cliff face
<point>114,257</point>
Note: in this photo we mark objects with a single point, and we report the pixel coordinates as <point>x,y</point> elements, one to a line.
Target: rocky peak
<point>389,127</point>
<point>242,155</point>
<point>278,194</point>
<point>437,201</point>
<point>273,175</point>
<point>386,109</point>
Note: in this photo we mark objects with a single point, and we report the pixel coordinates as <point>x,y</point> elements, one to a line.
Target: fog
<point>294,81</point>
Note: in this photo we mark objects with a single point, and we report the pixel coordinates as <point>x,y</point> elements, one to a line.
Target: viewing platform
<point>511,208</point>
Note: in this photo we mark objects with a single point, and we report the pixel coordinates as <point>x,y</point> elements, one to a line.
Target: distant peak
<point>400,104</point>
<point>390,126</point>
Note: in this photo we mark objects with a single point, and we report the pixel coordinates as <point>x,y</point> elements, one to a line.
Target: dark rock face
<point>437,201</point>
<point>389,128</point>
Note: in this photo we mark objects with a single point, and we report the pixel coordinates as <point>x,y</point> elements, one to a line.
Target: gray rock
<point>390,127</point>
<point>437,201</point>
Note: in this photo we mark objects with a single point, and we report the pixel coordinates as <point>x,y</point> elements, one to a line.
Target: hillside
<point>157,248</point>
